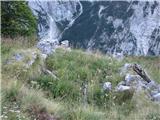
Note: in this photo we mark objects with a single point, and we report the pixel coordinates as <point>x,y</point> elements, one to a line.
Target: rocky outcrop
<point>142,82</point>
<point>136,83</point>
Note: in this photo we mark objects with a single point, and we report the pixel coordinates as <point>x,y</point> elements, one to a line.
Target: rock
<point>107,86</point>
<point>135,81</point>
<point>32,59</point>
<point>23,57</point>
<point>154,92</point>
<point>125,69</point>
<point>121,83</point>
<point>127,65</point>
<point>65,43</point>
<point>18,56</point>
<point>47,46</point>
<point>44,56</point>
<point>156,97</point>
<point>158,87</point>
<point>121,88</point>
<point>138,82</point>
<point>129,79</point>
<point>152,85</point>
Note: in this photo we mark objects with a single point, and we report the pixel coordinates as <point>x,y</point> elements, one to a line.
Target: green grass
<point>63,96</point>
<point>76,68</point>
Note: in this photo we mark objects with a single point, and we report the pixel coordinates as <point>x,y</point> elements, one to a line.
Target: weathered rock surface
<point>138,83</point>
<point>121,88</point>
<point>128,27</point>
<point>47,46</point>
<point>107,86</point>
<point>156,97</point>
<point>125,68</point>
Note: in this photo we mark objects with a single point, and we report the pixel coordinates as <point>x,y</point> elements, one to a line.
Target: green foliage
<point>76,68</point>
<point>17,19</point>
<point>57,88</point>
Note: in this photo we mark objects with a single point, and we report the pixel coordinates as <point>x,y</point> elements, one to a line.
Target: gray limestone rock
<point>122,88</point>
<point>107,86</point>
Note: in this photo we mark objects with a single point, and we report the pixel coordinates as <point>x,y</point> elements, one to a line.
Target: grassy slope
<point>63,97</point>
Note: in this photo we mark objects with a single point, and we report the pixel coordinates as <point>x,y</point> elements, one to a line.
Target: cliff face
<point>131,28</point>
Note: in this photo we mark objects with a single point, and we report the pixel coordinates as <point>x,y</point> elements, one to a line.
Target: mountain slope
<point>129,27</point>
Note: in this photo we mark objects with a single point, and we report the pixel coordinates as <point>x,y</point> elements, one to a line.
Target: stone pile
<point>136,83</point>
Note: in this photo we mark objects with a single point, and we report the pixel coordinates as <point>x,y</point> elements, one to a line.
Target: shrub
<point>17,19</point>
<point>58,88</point>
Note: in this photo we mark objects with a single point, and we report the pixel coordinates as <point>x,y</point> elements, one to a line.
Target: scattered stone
<point>65,43</point>
<point>18,56</point>
<point>156,97</point>
<point>121,83</point>
<point>107,86</point>
<point>47,46</point>
<point>32,60</point>
<point>25,58</point>
<point>44,56</point>
<point>138,82</point>
<point>121,88</point>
